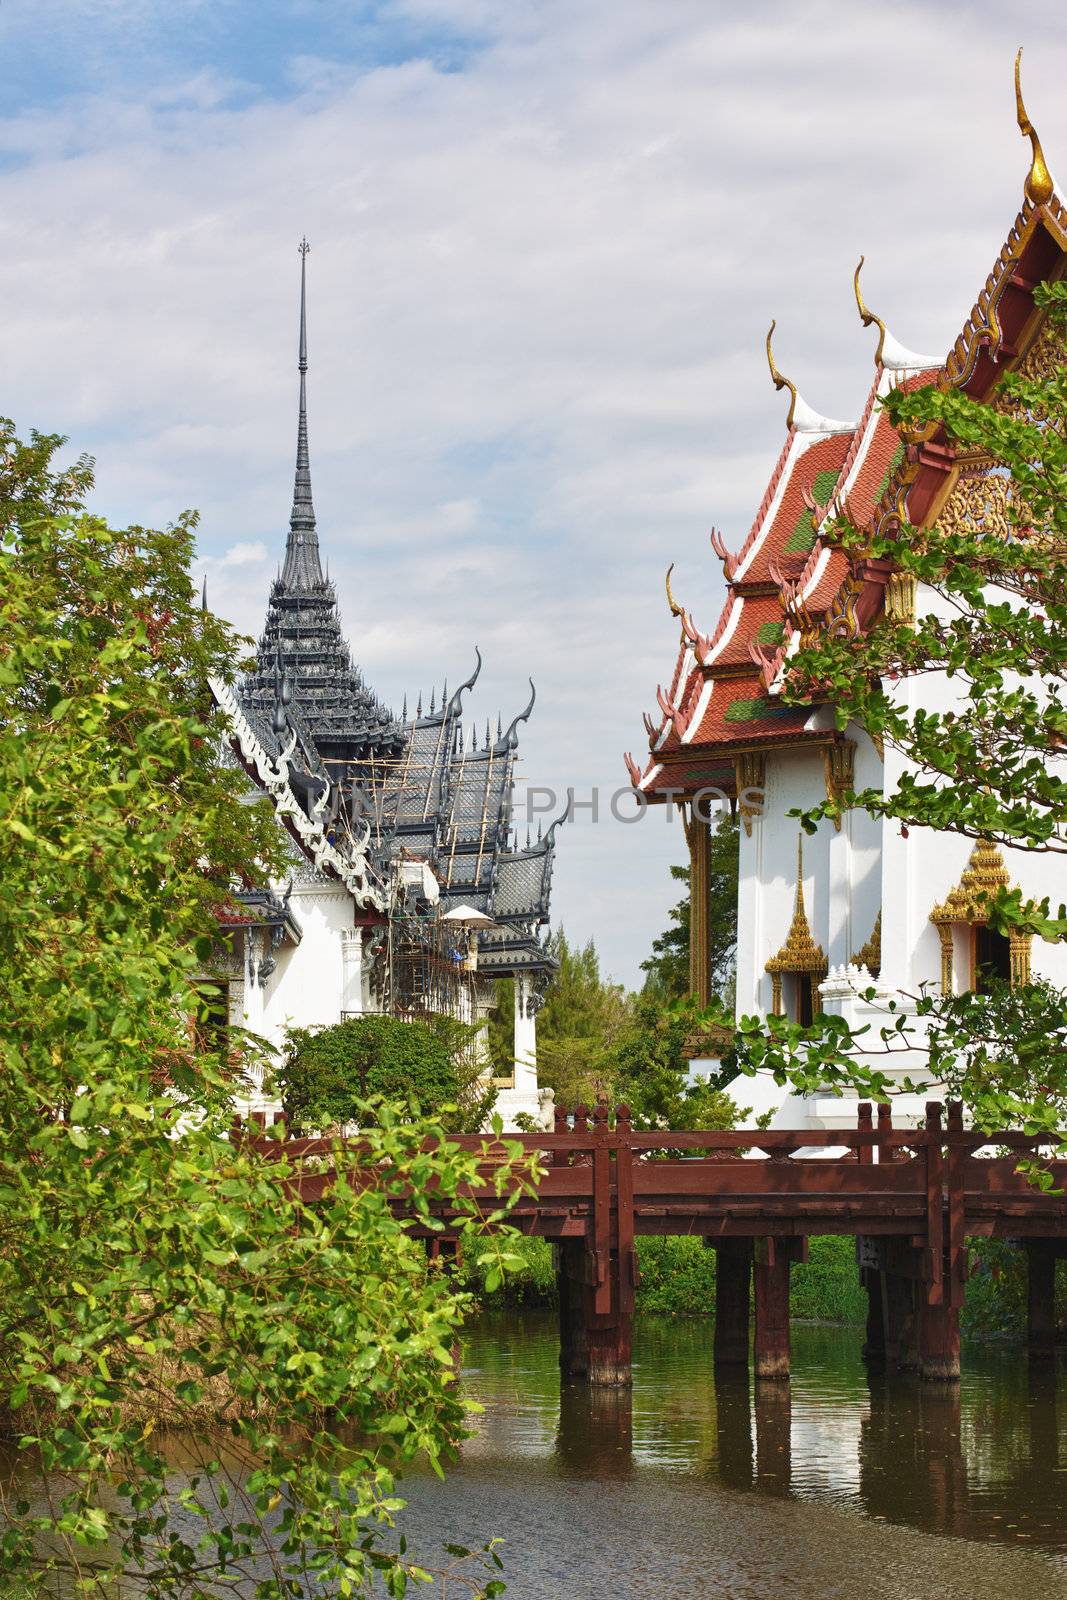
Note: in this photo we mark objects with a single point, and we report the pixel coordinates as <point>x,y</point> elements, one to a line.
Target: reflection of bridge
<point>910,1197</point>
<point>914,1462</point>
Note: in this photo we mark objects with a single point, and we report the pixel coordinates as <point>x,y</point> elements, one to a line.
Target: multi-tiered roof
<point>426,787</point>
<point>723,707</point>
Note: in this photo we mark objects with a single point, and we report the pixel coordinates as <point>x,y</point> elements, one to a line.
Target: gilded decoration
<point>1039,185</point>
<point>980,503</point>
<point>839,769</point>
<point>968,904</point>
<point>800,955</point>
<point>781,382</point>
<point>870,954</point>
<point>900,597</point>
<point>1043,362</point>
<point>750,770</point>
<point>983,877</point>
<point>841,619</point>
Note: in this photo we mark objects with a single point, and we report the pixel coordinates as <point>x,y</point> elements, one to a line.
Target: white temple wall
<point>750,915</point>
<point>794,779</point>
<point>308,989</point>
<point>864,835</point>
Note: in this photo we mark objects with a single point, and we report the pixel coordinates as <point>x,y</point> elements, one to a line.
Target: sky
<point>547,239</point>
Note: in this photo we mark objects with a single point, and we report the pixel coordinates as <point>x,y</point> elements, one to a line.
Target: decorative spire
<point>1039,186</point>
<point>302,570</point>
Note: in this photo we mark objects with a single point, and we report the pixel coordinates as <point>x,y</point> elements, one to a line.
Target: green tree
<point>652,1070</point>
<point>991,766</point>
<point>500,1028</point>
<point>667,968</point>
<point>326,1075</point>
<point>579,1025</point>
<point>152,1273</point>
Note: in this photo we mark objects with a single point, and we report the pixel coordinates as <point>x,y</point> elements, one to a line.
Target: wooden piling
<point>733,1276</point>
<point>771,1346</point>
<point>1040,1299</point>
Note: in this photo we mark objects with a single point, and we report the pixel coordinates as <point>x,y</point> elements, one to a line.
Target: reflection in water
<point>595,1434</point>
<point>834,1484</point>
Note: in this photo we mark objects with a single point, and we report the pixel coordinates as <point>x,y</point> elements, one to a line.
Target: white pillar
<point>351,971</point>
<point>525,1037</point>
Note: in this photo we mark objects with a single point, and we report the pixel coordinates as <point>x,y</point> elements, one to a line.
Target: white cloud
<point>241,555</point>
<point>539,288</point>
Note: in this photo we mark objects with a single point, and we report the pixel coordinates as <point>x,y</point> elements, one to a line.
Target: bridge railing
<point>599,1178</point>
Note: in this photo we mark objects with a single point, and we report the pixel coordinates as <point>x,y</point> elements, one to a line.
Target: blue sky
<point>56,49</point>
<point>545,252</point>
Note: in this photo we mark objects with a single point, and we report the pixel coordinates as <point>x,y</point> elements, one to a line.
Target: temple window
<point>995,958</point>
<point>800,965</point>
<point>991,964</point>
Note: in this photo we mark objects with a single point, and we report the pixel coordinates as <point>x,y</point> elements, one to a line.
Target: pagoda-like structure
<point>303,629</point>
<point>410,891</point>
<point>861,902</point>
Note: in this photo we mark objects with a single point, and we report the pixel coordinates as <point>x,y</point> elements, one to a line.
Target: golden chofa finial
<point>779,381</point>
<point>676,609</point>
<point>1039,185</point>
<point>867,317</point>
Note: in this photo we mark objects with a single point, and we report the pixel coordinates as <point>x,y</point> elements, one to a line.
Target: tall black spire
<point>302,570</point>
<point>302,635</point>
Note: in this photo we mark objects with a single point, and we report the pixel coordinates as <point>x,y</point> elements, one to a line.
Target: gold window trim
<point>800,956</point>
<point>967,905</point>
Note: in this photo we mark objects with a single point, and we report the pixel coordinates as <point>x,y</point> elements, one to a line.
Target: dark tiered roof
<point>430,792</point>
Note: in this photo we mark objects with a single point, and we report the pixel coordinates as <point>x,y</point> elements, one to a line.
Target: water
<point>840,1487</point>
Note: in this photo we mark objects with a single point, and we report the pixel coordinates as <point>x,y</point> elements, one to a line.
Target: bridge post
<point>939,1339</point>
<point>774,1256</point>
<point>733,1278</point>
<point>1040,1299</point>
<point>596,1275</point>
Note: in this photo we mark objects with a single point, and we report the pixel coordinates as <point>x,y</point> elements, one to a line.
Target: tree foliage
<point>327,1075</point>
<point>153,1275</point>
<point>667,968</point>
<point>578,1025</point>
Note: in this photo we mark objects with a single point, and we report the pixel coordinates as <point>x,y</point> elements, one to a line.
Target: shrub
<point>328,1073</point>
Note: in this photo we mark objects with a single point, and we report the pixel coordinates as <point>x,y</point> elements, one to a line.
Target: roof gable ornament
<point>511,738</point>
<point>1039,185</point>
<point>890,353</point>
<point>675,609</point>
<point>455,705</point>
<point>800,415</point>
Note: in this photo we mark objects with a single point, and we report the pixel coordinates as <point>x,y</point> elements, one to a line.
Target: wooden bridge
<point>911,1198</point>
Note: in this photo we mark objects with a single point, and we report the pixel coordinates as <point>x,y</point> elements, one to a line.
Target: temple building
<point>408,891</point>
<point>822,916</point>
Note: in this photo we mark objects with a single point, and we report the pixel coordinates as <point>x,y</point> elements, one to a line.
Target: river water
<point>834,1487</point>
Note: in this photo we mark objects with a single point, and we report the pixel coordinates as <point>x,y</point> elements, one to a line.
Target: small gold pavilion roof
<point>800,953</point>
<point>983,877</point>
